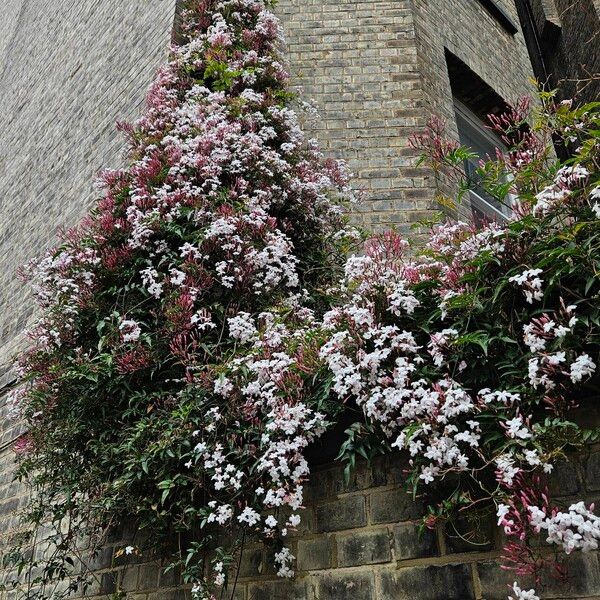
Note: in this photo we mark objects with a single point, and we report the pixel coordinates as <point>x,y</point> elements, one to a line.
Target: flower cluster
<point>576,529</point>
<point>450,349</point>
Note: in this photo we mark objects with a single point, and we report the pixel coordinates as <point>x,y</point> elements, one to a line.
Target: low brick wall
<point>358,541</point>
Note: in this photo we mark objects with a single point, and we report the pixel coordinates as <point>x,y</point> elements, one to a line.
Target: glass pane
<point>473,134</point>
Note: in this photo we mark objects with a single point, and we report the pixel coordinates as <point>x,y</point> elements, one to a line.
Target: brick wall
<point>486,49</point>
<point>68,71</point>
<point>360,541</point>
<point>564,40</point>
<point>376,69</point>
<point>358,60</point>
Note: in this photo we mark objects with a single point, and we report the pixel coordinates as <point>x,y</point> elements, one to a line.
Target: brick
<point>450,582</point>
<point>345,513</point>
<point>564,480</point>
<point>229,593</point>
<point>128,579</point>
<point>475,534</point>
<point>108,583</point>
<point>251,564</point>
<point>171,578</point>
<point>410,543</point>
<point>148,578</point>
<point>583,579</point>
<point>592,472</point>
<point>174,595</point>
<point>364,548</point>
<point>495,582</point>
<point>314,554</point>
<point>279,590</point>
<point>392,506</point>
<point>101,559</point>
<point>355,586</point>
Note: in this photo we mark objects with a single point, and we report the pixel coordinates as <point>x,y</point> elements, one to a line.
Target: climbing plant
<point>147,394</point>
<point>211,318</point>
<point>469,353</point>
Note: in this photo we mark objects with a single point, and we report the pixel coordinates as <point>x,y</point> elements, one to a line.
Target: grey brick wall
<point>576,52</point>
<point>360,541</point>
<point>358,60</point>
<point>376,69</point>
<point>472,34</point>
<point>68,71</point>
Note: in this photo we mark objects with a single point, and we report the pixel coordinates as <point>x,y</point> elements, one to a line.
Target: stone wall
<point>361,543</point>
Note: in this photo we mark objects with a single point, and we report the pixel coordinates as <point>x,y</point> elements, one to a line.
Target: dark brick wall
<point>360,541</point>
<point>564,41</point>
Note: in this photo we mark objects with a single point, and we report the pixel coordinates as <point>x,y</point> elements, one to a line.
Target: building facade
<point>563,38</point>
<point>377,69</point>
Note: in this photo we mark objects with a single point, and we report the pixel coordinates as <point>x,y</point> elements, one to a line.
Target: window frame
<point>478,128</point>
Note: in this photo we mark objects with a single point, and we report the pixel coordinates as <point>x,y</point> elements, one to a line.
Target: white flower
<point>149,277</point>
<point>507,470</point>
<point>575,529</point>
<point>282,559</point>
<point>249,516</point>
<point>294,520</point>
<point>428,474</point>
<point>402,299</point>
<point>177,277</point>
<point>532,457</point>
<point>530,283</point>
<point>501,512</point>
<point>223,387</point>
<point>221,514</point>
<point>271,522</point>
<point>583,366</point>
<point>130,330</point>
<point>520,594</point>
<point>241,327</point>
<point>516,430</point>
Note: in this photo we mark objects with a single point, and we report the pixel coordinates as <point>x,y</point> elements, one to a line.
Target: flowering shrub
<point>162,384</point>
<point>469,353</point>
<point>199,331</point>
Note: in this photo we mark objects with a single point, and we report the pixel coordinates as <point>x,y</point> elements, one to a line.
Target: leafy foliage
<point>470,352</point>
<point>150,392</point>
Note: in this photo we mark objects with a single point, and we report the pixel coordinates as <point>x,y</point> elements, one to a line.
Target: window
<point>473,133</point>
